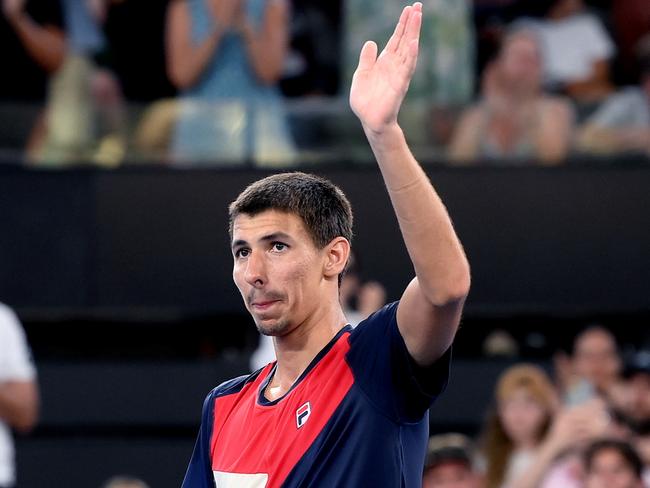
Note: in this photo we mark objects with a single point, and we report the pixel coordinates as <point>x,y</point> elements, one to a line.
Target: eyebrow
<point>268,237</point>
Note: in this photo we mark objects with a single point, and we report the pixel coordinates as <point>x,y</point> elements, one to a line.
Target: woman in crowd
<point>225,56</point>
<point>525,403</point>
<point>529,433</point>
<point>514,121</point>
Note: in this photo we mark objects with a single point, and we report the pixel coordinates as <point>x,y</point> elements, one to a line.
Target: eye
<point>242,252</point>
<point>279,246</point>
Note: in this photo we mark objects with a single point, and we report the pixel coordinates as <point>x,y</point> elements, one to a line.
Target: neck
<point>296,350</point>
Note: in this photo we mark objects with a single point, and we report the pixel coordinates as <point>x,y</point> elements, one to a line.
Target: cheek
<point>238,278</point>
<point>298,277</point>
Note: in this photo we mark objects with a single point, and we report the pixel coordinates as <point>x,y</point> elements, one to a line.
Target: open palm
<point>380,83</point>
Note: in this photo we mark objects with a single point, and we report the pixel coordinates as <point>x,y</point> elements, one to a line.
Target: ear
<point>337,253</point>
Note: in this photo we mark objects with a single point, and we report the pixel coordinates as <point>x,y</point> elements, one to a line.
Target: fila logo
<point>302,414</point>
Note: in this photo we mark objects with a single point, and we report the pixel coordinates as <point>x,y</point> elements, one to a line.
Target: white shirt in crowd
<point>15,365</point>
<point>571,46</point>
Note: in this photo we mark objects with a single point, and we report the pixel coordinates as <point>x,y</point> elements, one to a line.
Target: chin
<point>275,328</point>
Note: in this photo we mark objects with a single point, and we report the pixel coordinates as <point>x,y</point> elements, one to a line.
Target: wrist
<point>388,137</point>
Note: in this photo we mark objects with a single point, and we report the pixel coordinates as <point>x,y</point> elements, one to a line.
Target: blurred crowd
<point>586,425</point>
<point>264,82</point>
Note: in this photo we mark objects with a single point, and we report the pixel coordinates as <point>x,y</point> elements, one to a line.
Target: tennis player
<point>340,407</point>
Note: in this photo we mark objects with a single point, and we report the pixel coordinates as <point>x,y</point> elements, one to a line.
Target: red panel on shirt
<point>251,438</point>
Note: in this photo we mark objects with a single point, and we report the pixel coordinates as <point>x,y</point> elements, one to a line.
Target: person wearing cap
<point>449,463</point>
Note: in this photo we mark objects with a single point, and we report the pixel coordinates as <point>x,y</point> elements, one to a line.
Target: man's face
<point>450,475</point>
<point>596,359</point>
<point>609,470</point>
<point>277,269</point>
<point>639,387</point>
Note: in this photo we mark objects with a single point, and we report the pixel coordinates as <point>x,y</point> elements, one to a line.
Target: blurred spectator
<point>622,123</point>
<point>558,461</point>
<point>124,482</point>
<point>593,368</point>
<point>225,57</point>
<point>450,463</point>
<point>359,298</point>
<point>31,36</point>
<point>631,398</point>
<point>33,47</point>
<point>85,108</point>
<point>514,121</point>
<point>39,30</point>
<point>18,390</point>
<point>530,439</point>
<point>577,51</point>
<point>612,464</point>
<point>525,402</point>
<point>444,78</point>
<point>633,405</point>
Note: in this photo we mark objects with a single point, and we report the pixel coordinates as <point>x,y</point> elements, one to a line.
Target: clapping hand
<point>13,9</point>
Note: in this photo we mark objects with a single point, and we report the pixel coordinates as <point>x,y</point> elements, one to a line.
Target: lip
<point>264,305</point>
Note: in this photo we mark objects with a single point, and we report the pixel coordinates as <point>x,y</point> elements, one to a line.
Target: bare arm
<point>430,309</point>
<point>555,132</point>
<point>186,60</point>
<point>44,43</point>
<point>463,147</point>
<point>268,47</point>
<point>19,404</point>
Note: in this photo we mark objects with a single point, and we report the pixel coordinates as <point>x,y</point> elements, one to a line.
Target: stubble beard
<point>276,329</point>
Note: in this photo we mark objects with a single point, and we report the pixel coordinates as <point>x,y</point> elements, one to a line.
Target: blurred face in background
<point>609,469</point>
<point>451,474</point>
<point>523,418</point>
<point>596,359</point>
<point>520,62</point>
<point>639,395</point>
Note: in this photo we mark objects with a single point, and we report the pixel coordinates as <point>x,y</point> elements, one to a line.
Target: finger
<point>368,56</point>
<point>410,62</point>
<point>394,40</point>
<point>412,31</point>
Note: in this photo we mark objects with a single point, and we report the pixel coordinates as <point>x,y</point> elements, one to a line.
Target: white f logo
<point>302,414</point>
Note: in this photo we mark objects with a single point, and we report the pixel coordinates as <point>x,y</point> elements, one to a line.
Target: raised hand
<point>380,83</point>
<point>12,9</point>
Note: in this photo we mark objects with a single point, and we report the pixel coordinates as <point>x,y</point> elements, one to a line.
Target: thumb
<point>368,56</point>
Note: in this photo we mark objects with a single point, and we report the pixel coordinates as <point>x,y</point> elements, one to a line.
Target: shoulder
<point>627,99</point>
<point>8,320</point>
<point>234,385</point>
<point>585,21</point>
<point>385,314</point>
<point>629,95</point>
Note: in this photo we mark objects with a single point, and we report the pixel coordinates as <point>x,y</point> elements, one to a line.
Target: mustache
<point>268,296</point>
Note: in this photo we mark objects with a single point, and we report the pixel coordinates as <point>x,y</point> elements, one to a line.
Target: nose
<point>255,273</point>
